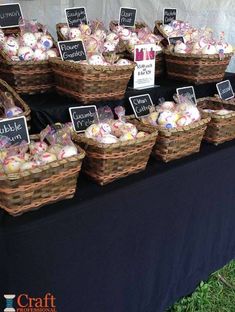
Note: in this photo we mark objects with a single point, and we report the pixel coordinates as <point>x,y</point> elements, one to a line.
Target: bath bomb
<point>25,54</point>
<point>12,164</point>
<point>180,47</point>
<point>67,151</point>
<point>37,147</point>
<point>209,49</point>
<point>13,111</point>
<point>29,40</point>
<point>108,139</point>
<point>47,158</point>
<point>65,31</point>
<point>28,166</point>
<point>40,55</point>
<point>46,41</point>
<point>11,46</point>
<point>74,33</point>
<point>127,137</point>
<point>51,53</point>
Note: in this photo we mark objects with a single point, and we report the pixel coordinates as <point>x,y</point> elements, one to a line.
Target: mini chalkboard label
<point>225,90</point>
<point>127,17</point>
<point>141,104</point>
<point>10,15</point>
<point>83,116</point>
<point>173,40</point>
<point>187,91</point>
<point>169,15</point>
<point>15,129</point>
<point>76,16</point>
<point>72,50</point>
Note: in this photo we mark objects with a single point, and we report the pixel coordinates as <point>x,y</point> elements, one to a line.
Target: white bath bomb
<point>25,54</point>
<point>29,40</point>
<point>67,151</point>
<point>11,46</point>
<point>40,55</point>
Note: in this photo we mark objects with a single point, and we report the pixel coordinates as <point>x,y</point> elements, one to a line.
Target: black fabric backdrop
<point>136,245</point>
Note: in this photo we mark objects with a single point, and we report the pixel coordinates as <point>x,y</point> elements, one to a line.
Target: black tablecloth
<point>50,108</point>
<point>135,245</point>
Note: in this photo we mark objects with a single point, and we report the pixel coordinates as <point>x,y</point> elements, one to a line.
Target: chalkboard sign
<point>141,104</point>
<point>173,40</point>
<point>76,16</point>
<point>10,15</point>
<point>225,90</point>
<point>72,50</point>
<point>83,116</point>
<point>169,15</point>
<point>15,129</point>
<point>187,91</point>
<point>127,17</point>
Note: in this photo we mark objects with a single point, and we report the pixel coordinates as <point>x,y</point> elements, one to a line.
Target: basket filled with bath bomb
<point>101,76</point>
<point>180,128</point>
<point>115,147</point>
<point>221,127</point>
<point>200,56</point>
<point>41,172</point>
<point>130,37</point>
<point>24,55</point>
<point>11,104</point>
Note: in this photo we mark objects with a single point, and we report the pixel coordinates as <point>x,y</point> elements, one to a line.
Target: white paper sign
<point>144,74</point>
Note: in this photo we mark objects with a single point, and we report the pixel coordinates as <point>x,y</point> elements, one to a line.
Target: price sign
<point>187,91</point>
<point>76,16</point>
<point>127,17</point>
<point>83,116</point>
<point>225,90</point>
<point>10,15</point>
<point>169,15</point>
<point>15,129</point>
<point>72,50</point>
<point>141,104</point>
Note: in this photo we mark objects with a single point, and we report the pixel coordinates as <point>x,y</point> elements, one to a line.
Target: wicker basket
<point>60,36</point>
<point>194,68</point>
<point>91,83</point>
<point>105,163</point>
<point>4,87</point>
<point>158,31</point>
<point>32,189</point>
<point>27,77</point>
<point>221,128</point>
<point>178,143</point>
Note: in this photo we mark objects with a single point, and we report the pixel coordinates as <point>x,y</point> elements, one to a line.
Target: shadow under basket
<point>195,68</point>
<point>221,128</point>
<point>32,189</point>
<point>91,83</point>
<point>105,163</point>
<point>26,77</point>
<point>179,142</point>
<point>4,87</point>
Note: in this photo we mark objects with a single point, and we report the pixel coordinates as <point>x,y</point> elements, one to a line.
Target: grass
<point>215,295</point>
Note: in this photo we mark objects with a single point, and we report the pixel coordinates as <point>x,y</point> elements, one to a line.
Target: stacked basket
<point>221,128</point>
<point>27,77</point>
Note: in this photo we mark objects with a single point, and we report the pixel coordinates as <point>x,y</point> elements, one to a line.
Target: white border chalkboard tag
<point>88,115</point>
<point>10,15</point>
<point>169,15</point>
<point>225,90</point>
<point>141,104</point>
<point>130,16</point>
<point>75,50</point>
<point>173,40</point>
<point>187,90</point>
<point>16,129</point>
<point>77,16</point>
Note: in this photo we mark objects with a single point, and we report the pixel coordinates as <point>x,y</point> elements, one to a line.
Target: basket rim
<point>31,172</point>
<point>57,60</point>
<point>198,56</point>
<point>218,100</point>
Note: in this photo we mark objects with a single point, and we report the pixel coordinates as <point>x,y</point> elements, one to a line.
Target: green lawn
<point>215,295</point>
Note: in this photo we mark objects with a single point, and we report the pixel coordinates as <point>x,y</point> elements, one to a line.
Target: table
<point>136,245</point>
